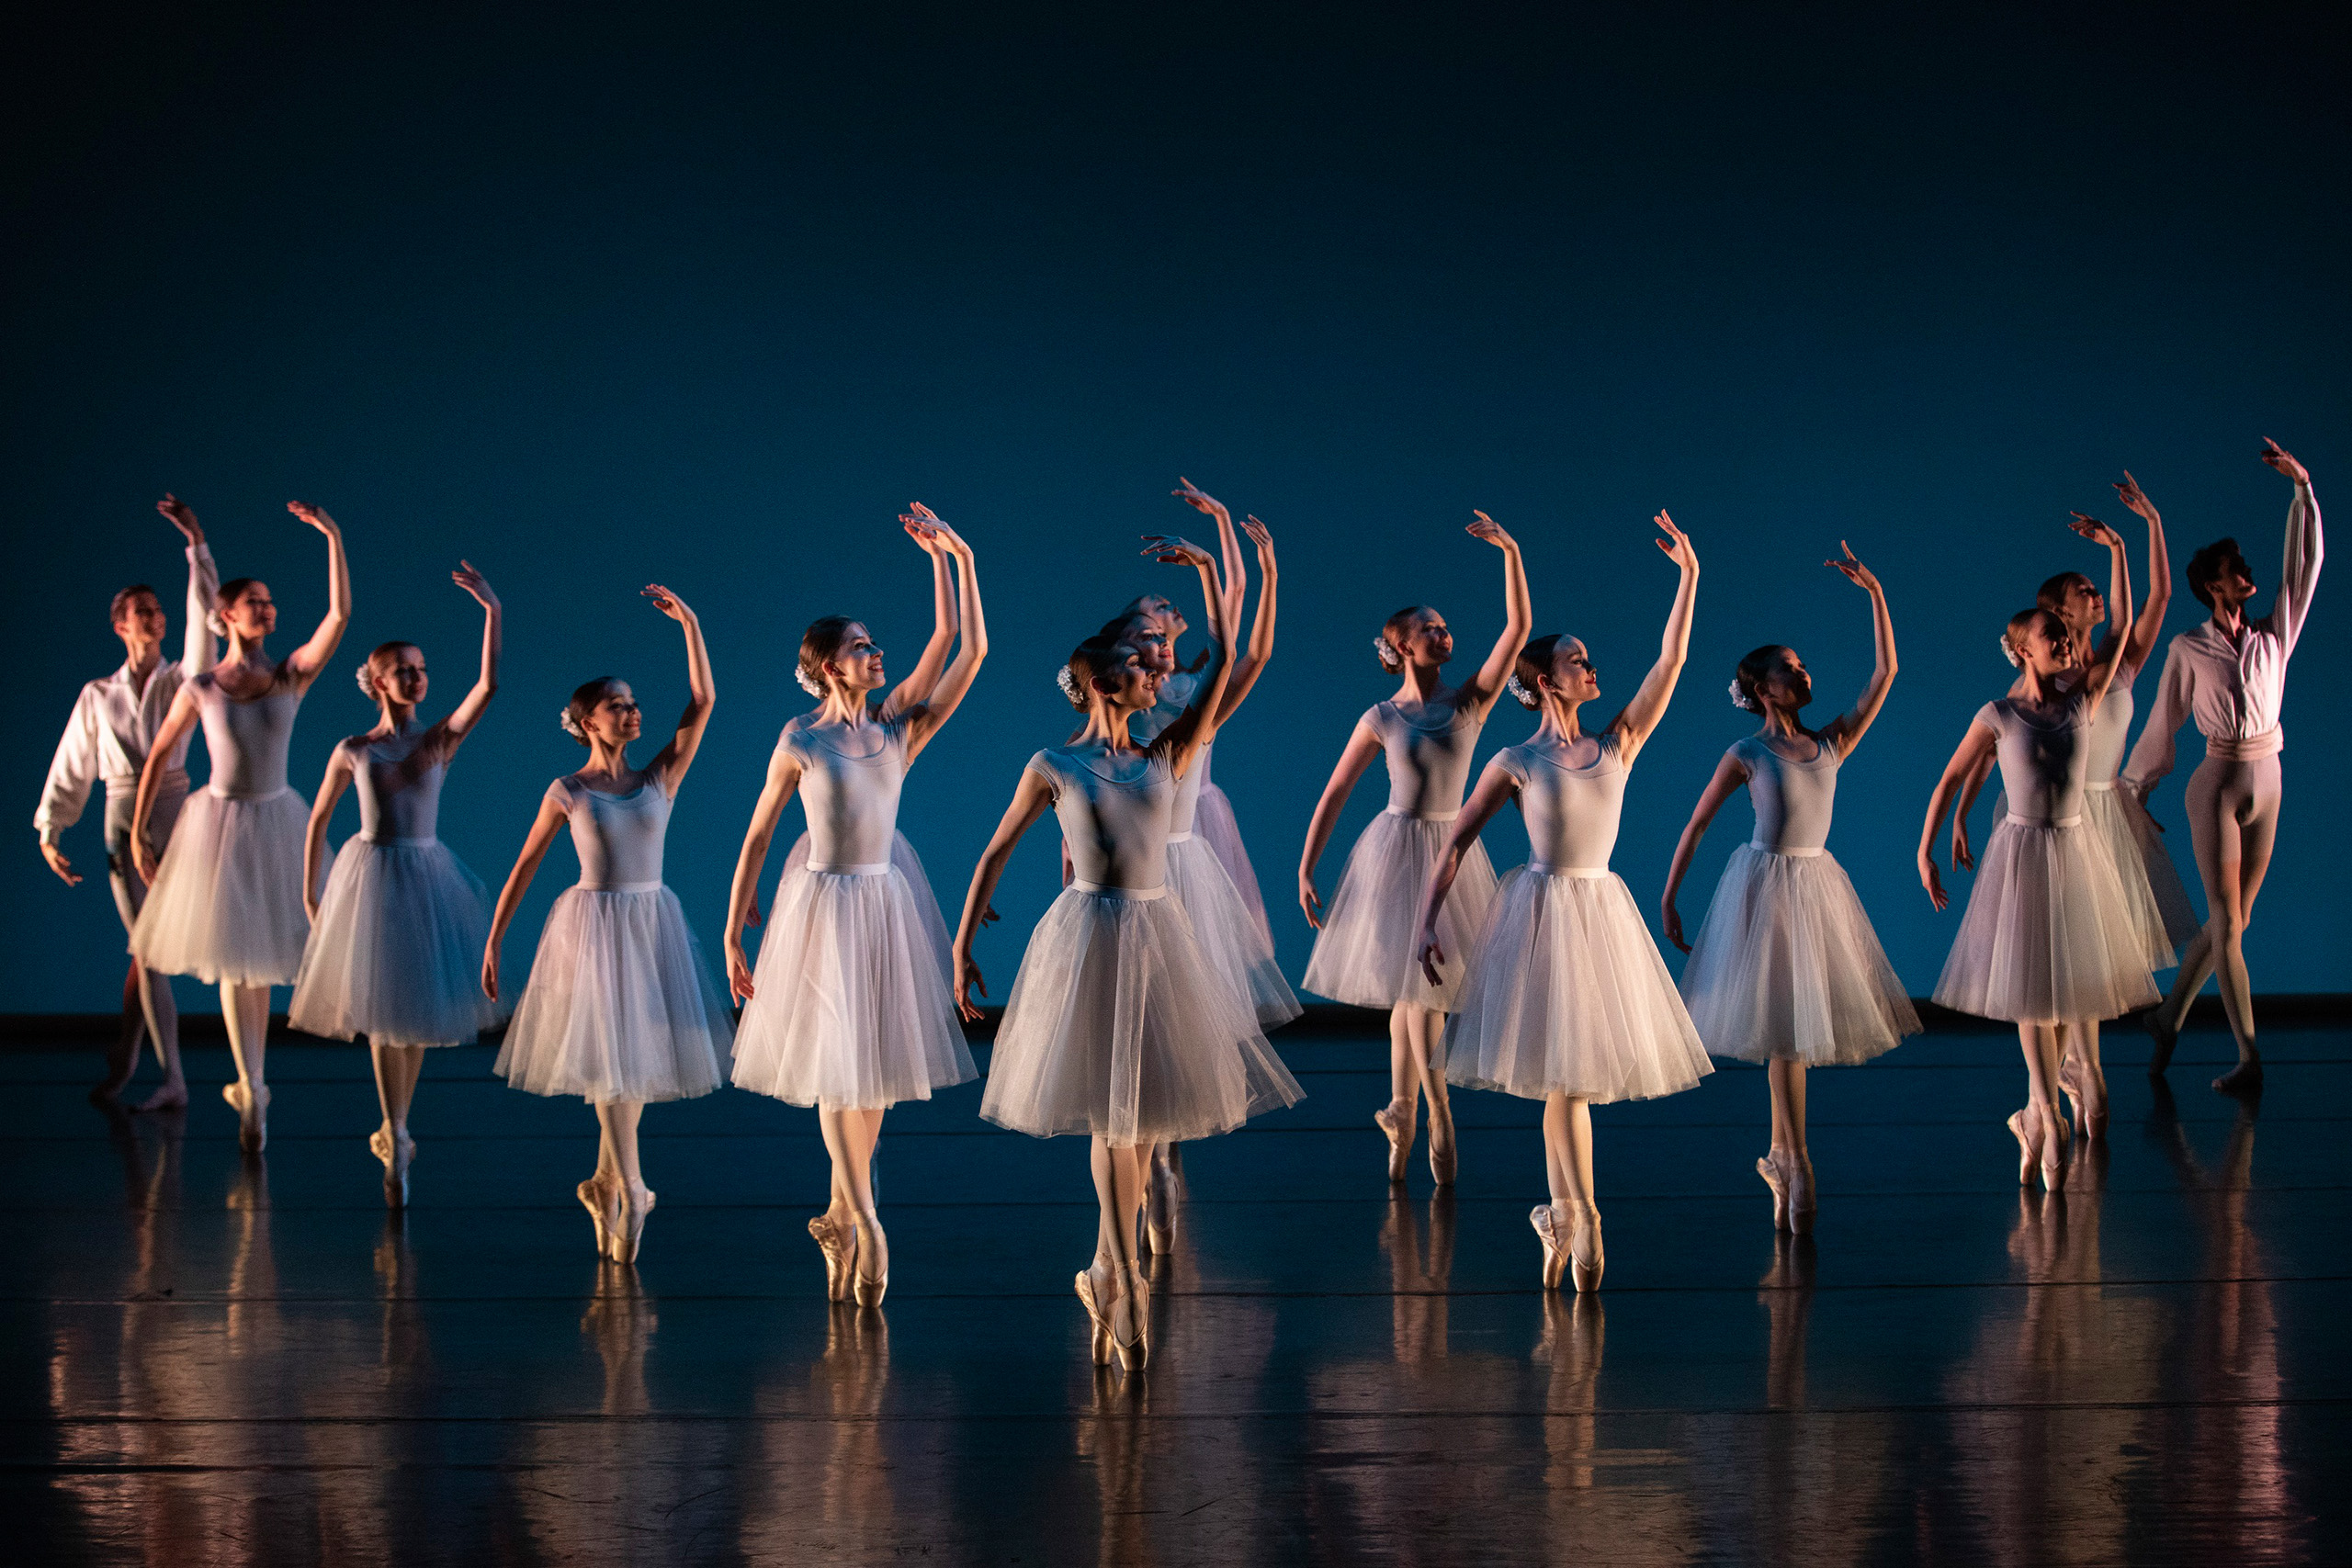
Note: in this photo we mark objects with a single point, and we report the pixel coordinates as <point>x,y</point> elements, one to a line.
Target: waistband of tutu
<point>382,842</point>
<point>653,886</point>
<point>127,783</point>
<point>2074,821</point>
<point>1183,838</point>
<point>874,869</point>
<point>219,794</point>
<point>1102,890</point>
<point>2108,785</point>
<point>2248,748</point>
<point>1582,873</point>
<point>1421,815</point>
<point>1794,854</point>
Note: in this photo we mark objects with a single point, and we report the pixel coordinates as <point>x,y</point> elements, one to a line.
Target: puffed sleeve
<point>2300,576</point>
<point>1041,764</point>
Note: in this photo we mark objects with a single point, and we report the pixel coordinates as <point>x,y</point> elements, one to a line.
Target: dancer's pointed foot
<point>1092,1293</point>
<point>2243,1080</point>
<point>2054,1150</point>
<point>396,1150</point>
<point>838,1243</point>
<point>172,1095</point>
<point>1401,1140</point>
<point>252,1106</point>
<point>600,1195</point>
<point>1443,1160</point>
<point>870,1275</point>
<point>1768,1167</point>
<point>1130,1321</point>
<point>109,1093</point>
<point>1586,1259</point>
<point>1163,1193</point>
<point>1803,1204</point>
<point>1545,1218</point>
<point>2163,1037</point>
<point>2021,1127</point>
<point>636,1201</point>
<point>2089,1109</point>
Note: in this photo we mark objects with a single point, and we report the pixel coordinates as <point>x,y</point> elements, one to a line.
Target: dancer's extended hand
<point>738,972</point>
<point>1200,499</point>
<point>60,864</point>
<point>1168,549</point>
<point>1932,880</point>
<point>182,518</point>
<point>1487,528</point>
<point>316,516</point>
<point>2128,491</point>
<point>1260,535</point>
<point>1431,954</point>
<point>968,984</point>
<point>2091,528</point>
<point>1963,853</point>
<point>2278,457</point>
<point>667,602</point>
<point>489,972</point>
<point>143,856</point>
<point>1675,544</point>
<point>475,584</point>
<point>1853,569</point>
<point>1310,900</point>
<point>1671,918</point>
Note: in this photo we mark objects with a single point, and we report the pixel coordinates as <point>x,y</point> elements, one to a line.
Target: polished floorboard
<point>212,1359</point>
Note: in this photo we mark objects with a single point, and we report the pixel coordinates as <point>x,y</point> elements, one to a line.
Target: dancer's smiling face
<point>252,615</point>
<point>1422,638</point>
<point>615,719</point>
<point>1786,684</point>
<point>2041,642</point>
<point>1129,686</point>
<point>399,675</point>
<point>856,662</point>
<point>1574,675</point>
<point>1151,645</point>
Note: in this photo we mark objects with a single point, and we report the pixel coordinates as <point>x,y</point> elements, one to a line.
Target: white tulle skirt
<point>621,1004</point>
<point>1567,995</point>
<point>1364,955</point>
<point>227,902</point>
<point>1117,1027</point>
<point>1214,823</point>
<point>1786,965</point>
<point>1233,942</point>
<point>2137,846</point>
<point>396,953</point>
<point>2049,934</point>
<point>853,1002</point>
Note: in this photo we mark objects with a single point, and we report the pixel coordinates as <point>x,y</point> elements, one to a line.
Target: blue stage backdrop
<point>599,304</point>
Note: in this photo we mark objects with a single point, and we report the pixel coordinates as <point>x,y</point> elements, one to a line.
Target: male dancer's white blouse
<point>2234,690</point>
<point>115,719</point>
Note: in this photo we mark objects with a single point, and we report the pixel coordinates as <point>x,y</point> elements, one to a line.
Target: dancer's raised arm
<point>305,662</point>
<point>1978,746</point>
<point>1233,564</point>
<point>1845,731</point>
<point>1496,787</point>
<point>1642,715</point>
<point>2105,659</point>
<point>1254,657</point>
<point>469,712</point>
<point>923,525</point>
<point>938,700</point>
<point>670,764</point>
<point>2306,548</point>
<point>1196,726</point>
<point>2148,623</point>
<point>1032,798</point>
<point>1478,694</point>
<point>199,648</point>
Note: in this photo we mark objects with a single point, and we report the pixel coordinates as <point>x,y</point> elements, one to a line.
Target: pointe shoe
<point>252,1106</point>
<point>2021,1127</point>
<point>868,1290</point>
<point>597,1195</point>
<point>1444,1157</point>
<point>1768,1167</point>
<point>1400,1149</point>
<point>1586,1274</point>
<point>2053,1156</point>
<point>1803,1204</point>
<point>1161,1196</point>
<point>1547,1231</point>
<point>1099,1341</point>
<point>396,1154</point>
<point>1134,1351</point>
<point>629,1230</point>
<point>837,1253</point>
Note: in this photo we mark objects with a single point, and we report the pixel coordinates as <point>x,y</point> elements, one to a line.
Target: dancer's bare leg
<point>1400,1119</point>
<point>1786,1076</point>
<point>397,1069</point>
<point>2082,1075</point>
<point>616,1122</point>
<point>850,1138</point>
<point>246,1012</point>
<point>1120,1173</point>
<point>2039,1043</point>
<point>162,1015</point>
<point>1427,1035</point>
<point>1568,1168</point>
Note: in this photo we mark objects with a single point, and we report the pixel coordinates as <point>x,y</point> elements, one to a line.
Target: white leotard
<point>1114,814</point>
<point>1793,801</point>
<point>398,780</point>
<point>619,837</point>
<point>1428,755</point>
<point>1572,813</point>
<point>849,780</point>
<point>247,739</point>
<point>2045,758</point>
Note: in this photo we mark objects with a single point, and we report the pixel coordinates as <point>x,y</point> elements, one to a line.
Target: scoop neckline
<point>1147,756</point>
<point>608,795</point>
<point>1546,754</point>
<point>1821,752</point>
<point>1455,714</point>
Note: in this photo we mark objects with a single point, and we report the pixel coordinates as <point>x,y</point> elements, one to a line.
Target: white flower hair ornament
<point>2009,652</point>
<point>571,725</point>
<point>1385,651</point>
<point>1520,693</point>
<point>809,683</point>
<point>214,623</point>
<point>1739,698</point>
<point>367,674</point>
<point>1068,686</point>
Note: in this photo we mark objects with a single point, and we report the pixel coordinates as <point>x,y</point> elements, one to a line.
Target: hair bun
<point>1519,693</point>
<point>214,623</point>
<point>2009,652</point>
<point>1739,697</point>
<point>367,674</point>
<point>1386,652</point>
<point>808,682</point>
<point>571,725</point>
<point>1068,686</point>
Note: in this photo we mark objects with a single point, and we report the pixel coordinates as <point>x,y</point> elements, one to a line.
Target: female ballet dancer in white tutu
<point>105,742</point>
<point>621,1008</point>
<point>850,1009</point>
<point>2049,939</point>
<point>1787,972</point>
<point>1567,1000</point>
<point>396,940</point>
<point>1117,1027</point>
<point>2160,905</point>
<point>1364,951</point>
<point>2230,675</point>
<point>226,902</point>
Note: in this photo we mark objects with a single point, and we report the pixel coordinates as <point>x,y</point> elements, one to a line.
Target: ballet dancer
<point>2048,938</point>
<point>1116,1026</point>
<point>850,1009</point>
<point>1364,953</point>
<point>225,902</point>
<point>2230,675</point>
<point>106,743</point>
<point>1567,1000</point>
<point>396,940</point>
<point>1787,972</point>
<point>2160,905</point>
<point>621,1008</point>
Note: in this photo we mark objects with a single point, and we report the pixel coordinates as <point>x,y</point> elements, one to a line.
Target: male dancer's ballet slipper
<point>1586,1272</point>
<point>1099,1340</point>
<point>838,1253</point>
<point>1547,1229</point>
<point>253,1109</point>
<point>1768,1167</point>
<point>1400,1148</point>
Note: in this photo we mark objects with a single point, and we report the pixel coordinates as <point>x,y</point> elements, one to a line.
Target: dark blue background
<point>596,302</point>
